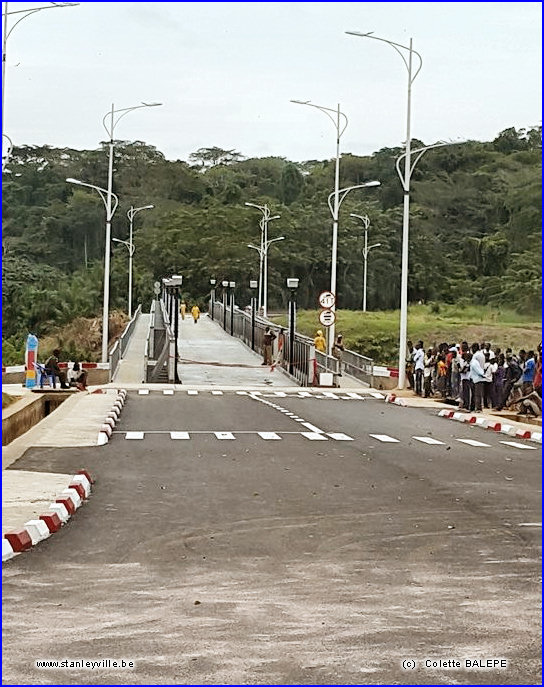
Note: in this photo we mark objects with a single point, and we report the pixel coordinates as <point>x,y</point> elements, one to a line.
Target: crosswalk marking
<point>516,445</point>
<point>376,394</point>
<point>429,440</point>
<point>224,435</point>
<point>330,394</point>
<point>312,428</point>
<point>217,393</point>
<point>352,394</point>
<point>473,442</point>
<point>269,435</point>
<point>143,392</point>
<point>339,436</point>
<point>168,392</point>
<point>385,438</point>
<point>134,435</point>
<point>179,435</point>
<point>192,392</point>
<point>314,436</point>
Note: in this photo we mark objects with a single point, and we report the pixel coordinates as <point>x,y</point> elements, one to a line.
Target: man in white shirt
<point>419,356</point>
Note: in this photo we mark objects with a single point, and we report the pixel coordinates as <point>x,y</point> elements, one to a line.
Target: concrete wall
<point>19,417</point>
<point>95,377</point>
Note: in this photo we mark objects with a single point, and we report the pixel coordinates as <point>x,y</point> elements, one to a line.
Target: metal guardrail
<point>160,347</point>
<point>307,362</point>
<point>120,346</point>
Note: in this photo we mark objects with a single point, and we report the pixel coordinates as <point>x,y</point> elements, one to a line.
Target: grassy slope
<point>376,333</point>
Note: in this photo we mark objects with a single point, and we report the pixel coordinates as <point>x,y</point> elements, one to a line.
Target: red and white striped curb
<point>495,425</point>
<point>35,531</point>
<point>107,426</point>
<point>393,398</point>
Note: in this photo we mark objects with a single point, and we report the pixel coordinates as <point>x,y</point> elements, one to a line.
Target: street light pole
<point>26,13</point>
<point>340,126</point>
<point>263,254</point>
<point>106,195</point>
<point>213,282</point>
<point>110,129</point>
<point>408,168</point>
<point>253,286</point>
<point>366,250</point>
<point>130,214</point>
<point>292,285</point>
<point>225,286</point>
<point>232,284</point>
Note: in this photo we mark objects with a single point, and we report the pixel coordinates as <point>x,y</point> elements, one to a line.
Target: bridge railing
<point>120,346</point>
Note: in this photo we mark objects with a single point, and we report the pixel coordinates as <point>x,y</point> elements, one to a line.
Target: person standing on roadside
<point>419,366</point>
<point>338,352</point>
<point>268,342</point>
<point>319,342</point>
<point>477,376</point>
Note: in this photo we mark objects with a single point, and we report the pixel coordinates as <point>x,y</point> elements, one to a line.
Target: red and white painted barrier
<point>393,398</point>
<point>51,521</point>
<point>495,425</point>
<point>106,429</point>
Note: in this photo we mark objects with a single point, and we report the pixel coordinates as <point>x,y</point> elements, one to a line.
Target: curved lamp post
<point>106,196</point>
<point>263,253</point>
<point>7,33</point>
<point>130,246</point>
<point>365,219</point>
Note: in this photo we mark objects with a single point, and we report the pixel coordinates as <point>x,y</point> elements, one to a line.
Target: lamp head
<point>300,102</point>
<point>292,283</point>
<point>373,183</point>
<point>253,284</point>
<point>73,181</point>
<point>232,284</point>
<point>213,282</point>
<point>224,283</point>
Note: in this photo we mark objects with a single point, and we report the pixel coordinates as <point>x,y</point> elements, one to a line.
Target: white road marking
<point>304,394</point>
<point>516,445</point>
<point>313,428</point>
<point>429,440</point>
<point>530,524</point>
<point>330,394</point>
<point>282,394</point>
<point>352,394</point>
<point>376,394</point>
<point>224,435</point>
<point>269,435</point>
<point>314,436</point>
<point>192,392</point>
<point>385,438</point>
<point>179,435</point>
<point>143,392</point>
<point>134,435</point>
<point>168,392</point>
<point>217,393</point>
<point>339,436</point>
<point>473,442</point>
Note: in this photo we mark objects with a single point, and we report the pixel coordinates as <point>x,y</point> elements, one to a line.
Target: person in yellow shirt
<point>195,312</point>
<point>319,342</point>
<point>183,309</point>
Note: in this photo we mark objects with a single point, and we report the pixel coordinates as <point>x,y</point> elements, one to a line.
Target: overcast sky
<point>226,71</point>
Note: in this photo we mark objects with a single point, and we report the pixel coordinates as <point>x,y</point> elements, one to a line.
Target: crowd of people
<point>477,376</point>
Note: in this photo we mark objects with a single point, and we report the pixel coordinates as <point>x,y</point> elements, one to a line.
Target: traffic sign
<point>327,317</point>
<point>327,299</point>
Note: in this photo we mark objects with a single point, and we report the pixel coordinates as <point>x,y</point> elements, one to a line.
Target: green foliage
<point>475,219</point>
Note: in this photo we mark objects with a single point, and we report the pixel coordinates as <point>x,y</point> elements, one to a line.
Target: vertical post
<point>176,333</point>
<point>365,255</point>
<point>336,208</point>
<point>261,268</point>
<point>232,285</point>
<point>405,231</point>
<point>292,333</point>
<point>265,261</point>
<point>4,50</point>
<point>212,297</point>
<point>107,249</point>
<point>253,304</point>
<point>130,254</point>
<point>225,286</point>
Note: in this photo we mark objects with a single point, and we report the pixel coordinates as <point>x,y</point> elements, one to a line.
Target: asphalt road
<point>285,540</point>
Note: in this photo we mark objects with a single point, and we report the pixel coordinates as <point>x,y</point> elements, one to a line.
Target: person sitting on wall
<point>52,368</point>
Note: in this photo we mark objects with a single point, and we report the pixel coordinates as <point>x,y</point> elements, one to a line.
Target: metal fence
<point>120,346</point>
<point>160,347</point>
<point>307,363</point>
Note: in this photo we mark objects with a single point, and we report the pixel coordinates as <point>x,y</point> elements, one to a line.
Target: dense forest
<point>475,230</point>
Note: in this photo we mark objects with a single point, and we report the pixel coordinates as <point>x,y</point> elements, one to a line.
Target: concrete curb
<point>107,426</point>
<point>496,426</point>
<point>393,398</point>
<point>59,512</point>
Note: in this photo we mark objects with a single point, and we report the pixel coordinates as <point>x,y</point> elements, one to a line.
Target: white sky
<point>226,71</point>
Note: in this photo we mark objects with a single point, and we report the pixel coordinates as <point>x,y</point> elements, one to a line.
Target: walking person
<point>183,309</point>
<point>268,342</point>
<point>195,312</point>
<point>320,342</point>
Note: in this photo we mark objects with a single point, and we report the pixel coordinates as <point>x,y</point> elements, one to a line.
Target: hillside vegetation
<point>475,234</point>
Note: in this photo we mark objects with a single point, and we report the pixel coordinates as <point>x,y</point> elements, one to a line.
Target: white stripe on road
<point>352,394</point>
<point>134,435</point>
<point>224,435</point>
<point>314,436</point>
<point>330,394</point>
<point>376,394</point>
<point>339,436</point>
<point>516,445</point>
<point>473,442</point>
<point>385,438</point>
<point>269,435</point>
<point>429,440</point>
<point>179,435</point>
<point>192,392</point>
<point>313,428</point>
<point>217,393</point>
<point>168,392</point>
<point>143,392</point>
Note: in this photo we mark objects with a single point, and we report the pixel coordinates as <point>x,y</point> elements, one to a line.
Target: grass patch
<point>7,400</point>
<point>376,334</point>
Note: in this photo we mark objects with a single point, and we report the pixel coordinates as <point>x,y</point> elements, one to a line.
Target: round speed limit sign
<point>327,299</point>
<point>327,317</point>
